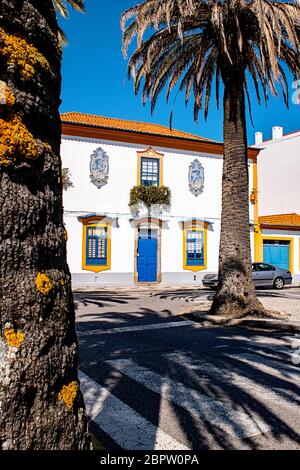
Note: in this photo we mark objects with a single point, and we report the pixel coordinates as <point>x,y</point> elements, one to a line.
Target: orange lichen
<point>68,394</point>
<point>15,139</point>
<point>18,51</point>
<point>43,283</point>
<point>7,98</point>
<point>66,236</point>
<point>47,147</point>
<point>14,338</point>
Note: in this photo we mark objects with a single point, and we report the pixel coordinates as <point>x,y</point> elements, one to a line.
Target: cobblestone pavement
<point>284,305</point>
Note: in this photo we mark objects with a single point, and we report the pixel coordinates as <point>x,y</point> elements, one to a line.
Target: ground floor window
<point>96,244</point>
<point>195,247</point>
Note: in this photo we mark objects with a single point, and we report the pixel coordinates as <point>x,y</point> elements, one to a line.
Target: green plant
<point>150,195</point>
<point>66,179</point>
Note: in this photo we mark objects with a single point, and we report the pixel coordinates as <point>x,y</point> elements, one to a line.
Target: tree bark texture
<point>235,295</point>
<point>41,406</point>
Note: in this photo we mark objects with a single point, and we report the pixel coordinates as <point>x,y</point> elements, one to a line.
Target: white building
<point>278,231</point>
<point>110,244</point>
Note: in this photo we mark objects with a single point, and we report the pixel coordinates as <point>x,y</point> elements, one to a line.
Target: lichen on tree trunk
<point>236,294</point>
<point>41,406</point>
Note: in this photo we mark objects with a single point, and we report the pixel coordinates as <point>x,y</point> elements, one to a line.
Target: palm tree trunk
<point>41,404</point>
<point>236,292</point>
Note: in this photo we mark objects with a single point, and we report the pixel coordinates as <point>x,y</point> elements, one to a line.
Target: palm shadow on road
<point>208,388</point>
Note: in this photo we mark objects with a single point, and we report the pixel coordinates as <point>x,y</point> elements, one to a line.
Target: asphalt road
<point>152,380</point>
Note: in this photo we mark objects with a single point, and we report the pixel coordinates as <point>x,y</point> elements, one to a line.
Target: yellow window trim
<point>94,222</point>
<point>150,153</point>
<point>195,228</point>
<point>290,239</point>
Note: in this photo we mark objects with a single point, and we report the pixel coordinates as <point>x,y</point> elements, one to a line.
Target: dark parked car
<point>264,275</point>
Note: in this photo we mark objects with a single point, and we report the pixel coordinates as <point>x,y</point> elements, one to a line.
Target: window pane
<point>92,248</point>
<point>150,172</point>
<point>102,249</point>
<point>195,247</point>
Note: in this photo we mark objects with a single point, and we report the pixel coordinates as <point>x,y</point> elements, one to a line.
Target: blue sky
<point>95,80</point>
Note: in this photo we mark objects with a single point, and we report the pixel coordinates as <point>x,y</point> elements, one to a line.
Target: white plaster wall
<point>213,240</point>
<point>122,247</point>
<point>74,244</point>
<point>113,199</point>
<point>206,205</point>
<point>85,196</point>
<point>278,176</point>
<point>171,247</point>
<point>251,187</point>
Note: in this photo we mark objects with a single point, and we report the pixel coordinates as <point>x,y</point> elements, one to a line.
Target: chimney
<point>258,138</point>
<point>277,132</point>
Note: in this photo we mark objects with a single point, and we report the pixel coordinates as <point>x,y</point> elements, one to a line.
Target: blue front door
<point>147,259</point>
<point>277,253</point>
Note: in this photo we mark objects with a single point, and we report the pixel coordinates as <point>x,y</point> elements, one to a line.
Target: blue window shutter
<point>96,246</point>
<point>195,248</point>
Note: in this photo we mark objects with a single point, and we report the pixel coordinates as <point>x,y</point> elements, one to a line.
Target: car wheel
<point>278,283</point>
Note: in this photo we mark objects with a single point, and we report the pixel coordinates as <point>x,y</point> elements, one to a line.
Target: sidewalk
<point>284,324</point>
<point>288,307</point>
<point>151,287</point>
<point>193,301</point>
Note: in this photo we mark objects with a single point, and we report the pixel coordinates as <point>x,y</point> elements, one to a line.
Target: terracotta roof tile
<point>288,220</point>
<point>122,124</point>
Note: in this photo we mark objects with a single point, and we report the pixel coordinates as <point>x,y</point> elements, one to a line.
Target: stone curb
<point>149,288</point>
<point>264,323</point>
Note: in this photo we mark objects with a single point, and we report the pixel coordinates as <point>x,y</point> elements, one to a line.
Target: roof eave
<point>279,226</point>
<point>76,129</point>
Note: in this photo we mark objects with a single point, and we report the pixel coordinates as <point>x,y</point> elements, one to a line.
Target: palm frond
<point>192,42</point>
<point>62,6</point>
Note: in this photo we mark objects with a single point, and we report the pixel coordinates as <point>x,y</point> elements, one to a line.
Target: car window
<point>265,267</point>
<point>254,267</point>
<point>268,267</point>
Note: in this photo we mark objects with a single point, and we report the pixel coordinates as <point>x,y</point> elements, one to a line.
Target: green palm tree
<point>41,403</point>
<point>193,45</point>
<point>62,6</point>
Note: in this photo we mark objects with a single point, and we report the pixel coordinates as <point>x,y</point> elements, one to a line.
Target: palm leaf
<point>192,42</point>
